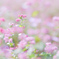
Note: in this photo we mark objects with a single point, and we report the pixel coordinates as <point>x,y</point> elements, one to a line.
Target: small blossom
<point>22,44</point>
<point>17,20</point>
<point>50,48</point>
<point>22,16</point>
<point>2,19</point>
<point>56,18</point>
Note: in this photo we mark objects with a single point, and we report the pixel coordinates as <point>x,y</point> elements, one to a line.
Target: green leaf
<point>32,55</point>
<point>20,26</point>
<point>37,39</point>
<point>20,17</point>
<point>35,13</point>
<point>10,44</point>
<point>24,49</point>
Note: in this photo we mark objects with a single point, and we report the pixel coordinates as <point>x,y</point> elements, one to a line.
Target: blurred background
<point>40,22</point>
<point>42,8</point>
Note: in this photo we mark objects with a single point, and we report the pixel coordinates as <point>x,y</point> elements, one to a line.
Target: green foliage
<point>46,55</point>
<point>37,39</point>
<point>32,55</point>
<point>35,13</point>
<point>10,44</point>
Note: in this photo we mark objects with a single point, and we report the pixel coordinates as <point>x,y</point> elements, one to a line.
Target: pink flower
<point>6,39</point>
<point>22,16</point>
<point>32,42</point>
<point>22,44</point>
<point>29,39</point>
<point>1,30</point>
<point>10,40</point>
<point>22,36</point>
<point>17,20</point>
<point>50,48</point>
<point>18,30</point>
<point>11,24</point>
<point>22,56</point>
<point>47,38</point>
<point>2,19</point>
<point>56,18</point>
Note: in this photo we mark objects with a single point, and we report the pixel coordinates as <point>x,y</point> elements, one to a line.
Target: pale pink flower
<point>6,39</point>
<point>10,40</point>
<point>22,16</point>
<point>22,36</point>
<point>56,18</point>
<point>50,48</point>
<point>22,56</point>
<point>29,39</point>
<point>22,44</point>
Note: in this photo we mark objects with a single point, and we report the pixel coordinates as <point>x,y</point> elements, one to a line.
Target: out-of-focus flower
<point>2,19</point>
<point>50,48</point>
<point>22,44</point>
<point>22,56</point>
<point>17,20</point>
<point>56,18</point>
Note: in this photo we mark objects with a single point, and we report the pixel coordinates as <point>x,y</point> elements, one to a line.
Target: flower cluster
<point>34,34</point>
<point>15,38</point>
